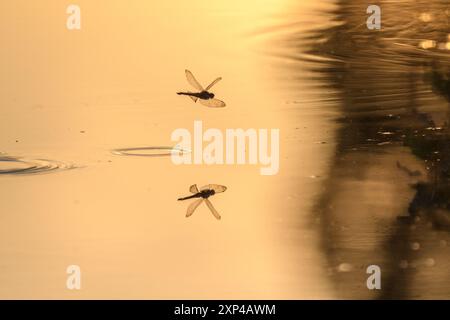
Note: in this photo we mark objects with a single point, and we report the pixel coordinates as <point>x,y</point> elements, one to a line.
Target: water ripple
<point>10,165</point>
<point>159,151</point>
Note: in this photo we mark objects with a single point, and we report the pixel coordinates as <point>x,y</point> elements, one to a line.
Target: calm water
<point>364,159</point>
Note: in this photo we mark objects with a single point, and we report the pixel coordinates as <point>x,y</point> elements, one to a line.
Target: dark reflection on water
<point>387,197</point>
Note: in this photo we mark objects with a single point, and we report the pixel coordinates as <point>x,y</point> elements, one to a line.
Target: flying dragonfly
<point>203,194</point>
<point>204,96</point>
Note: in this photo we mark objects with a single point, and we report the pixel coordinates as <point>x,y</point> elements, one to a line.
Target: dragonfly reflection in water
<point>204,193</point>
<point>204,96</point>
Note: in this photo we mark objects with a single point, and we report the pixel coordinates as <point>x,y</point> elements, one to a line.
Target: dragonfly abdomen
<point>198,195</point>
<point>188,94</point>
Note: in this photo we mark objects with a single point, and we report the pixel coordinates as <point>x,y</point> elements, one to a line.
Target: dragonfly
<point>203,194</point>
<point>203,95</point>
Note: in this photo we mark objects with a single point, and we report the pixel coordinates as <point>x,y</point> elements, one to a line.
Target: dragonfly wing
<point>216,187</point>
<point>213,103</point>
<point>213,83</point>
<point>193,206</point>
<point>191,79</point>
<point>193,188</point>
<point>213,210</point>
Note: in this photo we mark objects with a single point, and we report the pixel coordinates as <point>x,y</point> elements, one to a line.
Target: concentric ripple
<point>21,166</point>
<point>161,151</point>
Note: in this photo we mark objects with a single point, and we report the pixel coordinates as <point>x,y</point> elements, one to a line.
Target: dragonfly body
<point>202,195</point>
<point>203,95</point>
<point>205,194</point>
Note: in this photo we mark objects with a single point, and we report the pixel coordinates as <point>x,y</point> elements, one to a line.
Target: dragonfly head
<point>211,95</point>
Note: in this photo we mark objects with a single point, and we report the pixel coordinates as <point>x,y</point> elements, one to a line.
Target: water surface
<point>364,150</point>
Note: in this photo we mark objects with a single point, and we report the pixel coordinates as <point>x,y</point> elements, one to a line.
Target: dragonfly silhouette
<point>206,98</point>
<point>204,193</point>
